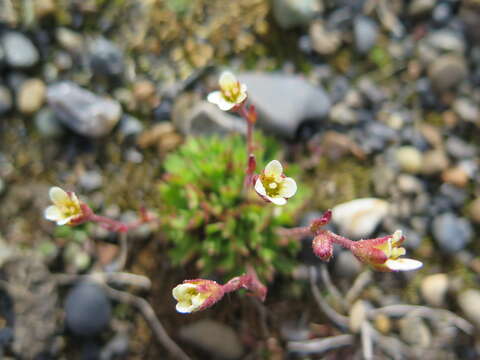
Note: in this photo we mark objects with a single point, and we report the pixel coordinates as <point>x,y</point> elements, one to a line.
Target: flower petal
<point>274,168</point>
<point>403,264</point>
<point>183,307</point>
<point>225,105</point>
<point>288,188</point>
<point>277,200</point>
<point>58,195</point>
<point>259,188</point>
<point>227,79</point>
<point>65,220</point>
<point>179,291</point>
<point>215,97</point>
<point>53,213</point>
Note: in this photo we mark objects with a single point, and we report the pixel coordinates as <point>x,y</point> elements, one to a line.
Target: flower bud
<point>196,295</point>
<point>323,246</point>
<point>322,221</point>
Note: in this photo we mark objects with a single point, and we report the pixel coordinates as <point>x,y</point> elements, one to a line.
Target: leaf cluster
<point>211,220</point>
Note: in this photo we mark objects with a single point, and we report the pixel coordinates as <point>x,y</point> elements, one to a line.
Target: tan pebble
<point>31,96</point>
<point>455,176</point>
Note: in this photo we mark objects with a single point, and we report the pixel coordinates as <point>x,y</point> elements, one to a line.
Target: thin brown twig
<point>147,311</point>
<point>339,320</point>
<point>118,278</point>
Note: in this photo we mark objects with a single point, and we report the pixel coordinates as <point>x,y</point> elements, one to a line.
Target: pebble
<point>360,217</point>
<point>322,40</point>
<point>294,101</point>
<point>468,302</point>
<point>447,41</point>
<point>31,96</point>
<point>47,124</point>
<point>5,100</point>
<point>83,111</point>
<point>87,309</point>
<point>106,59</point>
<point>358,314</point>
<point>19,50</point>
<point>346,264</point>
<point>459,149</point>
<point>474,210</point>
<point>452,233</point>
<point>434,289</point>
<point>434,162</point>
<point>447,71</point>
<point>414,331</point>
<point>292,13</point>
<point>203,119</point>
<point>409,184</point>
<point>213,337</point>
<point>342,114</point>
<point>410,159</point>
<point>421,7</point>
<point>365,32</point>
<point>130,126</point>
<point>467,110</point>
<point>90,180</point>
<point>69,40</point>
<point>456,175</point>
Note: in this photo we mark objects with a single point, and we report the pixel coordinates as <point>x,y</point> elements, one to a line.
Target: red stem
<point>340,240</point>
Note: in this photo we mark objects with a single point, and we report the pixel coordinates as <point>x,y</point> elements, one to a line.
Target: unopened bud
<point>323,246</point>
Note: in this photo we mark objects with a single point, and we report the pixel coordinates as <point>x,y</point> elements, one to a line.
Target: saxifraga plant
<point>211,219</point>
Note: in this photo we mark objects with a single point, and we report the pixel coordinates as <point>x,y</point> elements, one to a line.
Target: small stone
<point>83,111</point>
<point>8,14</point>
<point>447,41</point>
<point>47,124</point>
<point>213,337</point>
<point>409,184</point>
<point>323,40</point>
<point>203,119</point>
<point>5,100</point>
<point>130,126</point>
<point>420,7</point>
<point>414,331</point>
<point>106,59</point>
<point>31,96</point>
<point>447,71</point>
<point>382,323</point>
<point>291,13</point>
<point>474,210</point>
<point>460,149</point>
<point>143,90</point>
<point>434,289</point>
<point>357,315</point>
<point>87,309</point>
<point>90,180</point>
<point>359,218</point>
<point>410,159</point>
<point>468,302</point>
<point>365,32</point>
<point>346,264</point>
<point>19,50</point>
<point>342,114</point>
<point>432,134</point>
<point>292,102</point>
<point>44,8</point>
<point>456,176</point>
<point>434,162</point>
<point>70,40</point>
<point>467,110</point>
<point>451,233</point>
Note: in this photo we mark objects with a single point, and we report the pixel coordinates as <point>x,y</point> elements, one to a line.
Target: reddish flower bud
<point>323,246</point>
<point>322,221</point>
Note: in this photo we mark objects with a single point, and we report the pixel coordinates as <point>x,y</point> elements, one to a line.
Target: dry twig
<point>320,346</point>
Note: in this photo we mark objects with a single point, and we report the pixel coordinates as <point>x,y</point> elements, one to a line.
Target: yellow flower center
<point>271,185</point>
<point>231,91</point>
<point>70,208</point>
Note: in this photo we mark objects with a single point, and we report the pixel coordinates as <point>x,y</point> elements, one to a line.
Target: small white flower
<point>188,297</point>
<point>66,206</point>
<point>273,185</point>
<point>231,92</point>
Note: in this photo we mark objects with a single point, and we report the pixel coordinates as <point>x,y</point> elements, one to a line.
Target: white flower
<point>231,92</point>
<point>273,185</point>
<point>403,264</point>
<point>66,206</point>
<point>188,297</point>
<point>394,251</point>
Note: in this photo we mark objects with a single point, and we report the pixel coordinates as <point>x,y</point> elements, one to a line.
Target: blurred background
<point>374,99</point>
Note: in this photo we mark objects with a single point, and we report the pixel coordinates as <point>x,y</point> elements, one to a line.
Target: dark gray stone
<point>83,111</point>
<point>87,309</point>
<point>106,59</point>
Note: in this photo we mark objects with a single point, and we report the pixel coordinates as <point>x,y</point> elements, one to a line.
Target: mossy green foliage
<point>210,219</point>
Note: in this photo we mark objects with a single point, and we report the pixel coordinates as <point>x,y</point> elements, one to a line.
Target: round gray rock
<point>452,233</point>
